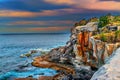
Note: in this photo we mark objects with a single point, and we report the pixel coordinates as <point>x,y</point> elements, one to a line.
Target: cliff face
<point>90,51</point>
<point>110,71</point>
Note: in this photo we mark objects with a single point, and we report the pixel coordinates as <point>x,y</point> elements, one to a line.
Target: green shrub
<point>103,21</point>
<point>117,35</point>
<point>103,37</point>
<point>81,23</point>
<point>93,19</point>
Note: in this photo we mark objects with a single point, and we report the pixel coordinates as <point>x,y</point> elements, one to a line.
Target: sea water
<point>12,46</point>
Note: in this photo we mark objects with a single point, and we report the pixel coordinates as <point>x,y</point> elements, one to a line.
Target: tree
<point>103,21</point>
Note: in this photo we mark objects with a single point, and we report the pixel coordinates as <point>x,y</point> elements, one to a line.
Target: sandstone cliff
<point>89,50</point>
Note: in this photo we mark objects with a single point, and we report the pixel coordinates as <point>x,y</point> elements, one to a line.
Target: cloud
<point>44,29</point>
<point>76,6</point>
<point>14,13</point>
<point>52,22</point>
<point>113,5</point>
<point>68,2</point>
<point>104,5</point>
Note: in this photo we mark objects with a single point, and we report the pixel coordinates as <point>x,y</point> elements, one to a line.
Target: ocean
<point>12,46</point>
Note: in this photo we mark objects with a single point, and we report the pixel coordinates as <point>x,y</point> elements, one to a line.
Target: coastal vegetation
<point>106,20</point>
<point>81,22</point>
<point>109,20</point>
<point>111,37</point>
<point>85,21</point>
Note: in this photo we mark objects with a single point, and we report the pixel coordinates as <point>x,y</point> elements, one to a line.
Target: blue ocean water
<point>12,46</point>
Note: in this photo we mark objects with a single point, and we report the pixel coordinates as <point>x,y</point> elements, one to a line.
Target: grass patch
<point>111,37</point>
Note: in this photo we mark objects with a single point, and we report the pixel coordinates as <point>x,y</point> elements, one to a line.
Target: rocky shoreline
<point>80,58</point>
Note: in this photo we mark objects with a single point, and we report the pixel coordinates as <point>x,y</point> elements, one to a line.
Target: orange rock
<point>83,44</point>
<point>45,78</point>
<point>110,49</point>
<point>45,63</point>
<point>79,50</point>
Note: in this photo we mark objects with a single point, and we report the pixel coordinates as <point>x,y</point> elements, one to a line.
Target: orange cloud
<point>12,13</point>
<point>104,5</point>
<point>76,7</point>
<point>49,29</point>
<point>89,4</point>
<point>69,2</point>
<point>41,22</point>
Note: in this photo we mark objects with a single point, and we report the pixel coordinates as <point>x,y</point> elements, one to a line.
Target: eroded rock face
<point>43,62</point>
<point>93,52</point>
<point>110,71</point>
<point>90,51</point>
<point>82,46</point>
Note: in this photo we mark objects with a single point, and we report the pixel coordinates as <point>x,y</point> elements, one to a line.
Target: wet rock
<point>68,44</point>
<point>28,78</point>
<point>54,55</point>
<point>45,78</point>
<point>69,50</point>
<point>80,75</point>
<point>33,51</point>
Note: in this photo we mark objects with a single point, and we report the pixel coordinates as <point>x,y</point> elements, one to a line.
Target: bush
<point>81,23</point>
<point>93,19</point>
<point>103,37</point>
<point>117,35</point>
<point>103,21</point>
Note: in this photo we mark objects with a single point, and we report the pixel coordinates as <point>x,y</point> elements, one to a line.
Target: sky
<point>50,16</point>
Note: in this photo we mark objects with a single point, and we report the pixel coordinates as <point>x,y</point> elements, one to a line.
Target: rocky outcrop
<point>83,48</point>
<point>110,71</point>
<point>82,52</point>
<point>44,62</point>
<point>90,51</point>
